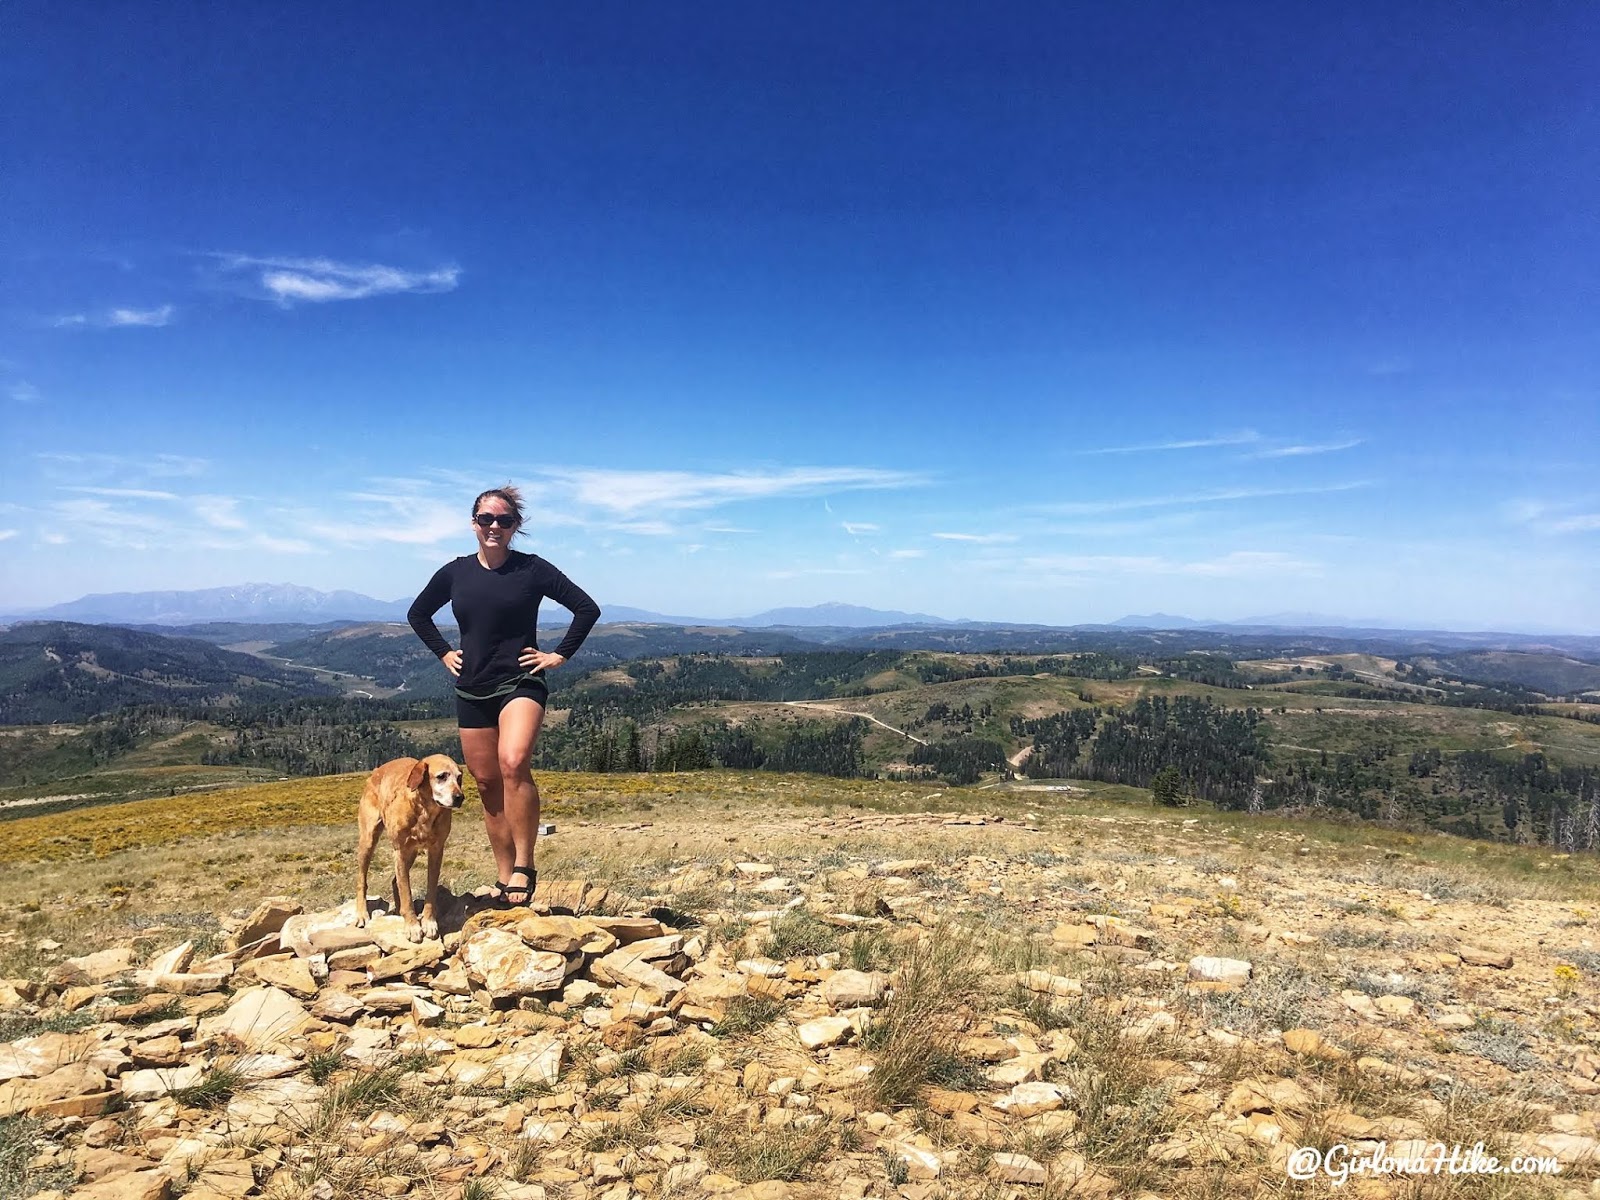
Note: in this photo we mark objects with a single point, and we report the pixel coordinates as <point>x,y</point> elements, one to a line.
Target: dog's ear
<point>418,774</point>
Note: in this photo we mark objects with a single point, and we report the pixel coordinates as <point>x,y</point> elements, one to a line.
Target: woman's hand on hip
<point>452,662</point>
<point>537,660</point>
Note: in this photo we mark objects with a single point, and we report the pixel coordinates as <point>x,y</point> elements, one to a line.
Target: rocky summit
<point>910,1005</point>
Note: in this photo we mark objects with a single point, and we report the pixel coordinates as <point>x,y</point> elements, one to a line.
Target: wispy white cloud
<point>399,517</point>
<point>24,392</point>
<point>1580,523</point>
<point>291,281</point>
<point>908,553</point>
<point>801,572</point>
<point>152,318</point>
<point>7,534</point>
<point>855,528</point>
<point>124,493</point>
<point>1215,496</point>
<point>119,318</point>
<point>1245,437</point>
<point>1310,448</point>
<point>1236,564</point>
<point>628,492</point>
<point>980,539</point>
<point>219,512</point>
<point>282,545</point>
<point>75,465</point>
<point>1545,517</point>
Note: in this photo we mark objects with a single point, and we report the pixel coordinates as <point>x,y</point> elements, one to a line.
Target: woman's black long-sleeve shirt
<point>498,613</point>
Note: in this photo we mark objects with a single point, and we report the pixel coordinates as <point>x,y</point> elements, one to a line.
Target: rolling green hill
<point>60,671</point>
<point>1352,733</point>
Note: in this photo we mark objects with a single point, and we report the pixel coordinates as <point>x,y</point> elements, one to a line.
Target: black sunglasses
<point>504,520</point>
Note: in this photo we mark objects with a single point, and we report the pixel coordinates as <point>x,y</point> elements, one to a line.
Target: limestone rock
<point>290,974</point>
<point>76,1089</point>
<point>628,965</point>
<point>854,989</point>
<point>172,962</point>
<point>921,1162</point>
<point>268,918</point>
<point>535,1063</point>
<point>1046,984</point>
<point>197,984</point>
<point>1395,1006</point>
<point>1022,1068</point>
<point>308,934</point>
<point>1205,969</point>
<point>499,962</point>
<point>1478,956</point>
<point>153,1084</point>
<point>91,968</point>
<point>1075,936</point>
<point>261,1018</point>
<point>337,1006</point>
<point>1017,1168</point>
<point>1361,1004</point>
<point>1028,1099</point>
<point>133,1185</point>
<point>414,957</point>
<point>1312,1044</point>
<point>628,930</point>
<point>824,1031</point>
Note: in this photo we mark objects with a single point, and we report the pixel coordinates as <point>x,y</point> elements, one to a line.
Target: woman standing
<point>499,669</point>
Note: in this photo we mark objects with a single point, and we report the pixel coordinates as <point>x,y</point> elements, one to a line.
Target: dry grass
<point>937,985</point>
<point>1090,858</point>
<point>752,1154</point>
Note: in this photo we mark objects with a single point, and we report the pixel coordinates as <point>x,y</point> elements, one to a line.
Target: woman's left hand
<point>537,660</point>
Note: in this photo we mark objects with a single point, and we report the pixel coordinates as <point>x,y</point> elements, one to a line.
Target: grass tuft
<point>914,1035</point>
<point>745,1015</point>
<point>219,1086</point>
<point>785,1152</point>
<point>798,933</point>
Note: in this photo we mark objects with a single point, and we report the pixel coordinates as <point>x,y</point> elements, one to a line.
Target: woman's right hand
<point>452,662</point>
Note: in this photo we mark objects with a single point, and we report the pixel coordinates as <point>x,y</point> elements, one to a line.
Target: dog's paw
<point>413,931</point>
<point>361,920</point>
<point>430,928</point>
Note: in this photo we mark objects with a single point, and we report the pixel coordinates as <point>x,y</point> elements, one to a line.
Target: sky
<point>1031,312</point>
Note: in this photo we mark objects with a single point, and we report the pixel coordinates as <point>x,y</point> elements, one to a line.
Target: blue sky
<point>1046,313</point>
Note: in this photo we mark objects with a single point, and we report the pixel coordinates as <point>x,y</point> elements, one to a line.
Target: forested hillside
<point>59,671</point>
<point>1397,740</point>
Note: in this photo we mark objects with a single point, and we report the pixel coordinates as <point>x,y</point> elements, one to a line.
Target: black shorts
<point>485,714</point>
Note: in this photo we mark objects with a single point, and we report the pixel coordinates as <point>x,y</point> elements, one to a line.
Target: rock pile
<point>585,1048</point>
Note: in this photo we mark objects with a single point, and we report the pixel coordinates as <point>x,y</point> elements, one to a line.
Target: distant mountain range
<point>279,603</point>
<point>268,603</point>
<point>254,602</point>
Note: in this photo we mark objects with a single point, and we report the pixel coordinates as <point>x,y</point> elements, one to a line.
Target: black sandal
<point>497,896</point>
<point>525,891</point>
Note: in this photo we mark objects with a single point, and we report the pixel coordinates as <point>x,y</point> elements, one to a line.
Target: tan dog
<point>414,801</point>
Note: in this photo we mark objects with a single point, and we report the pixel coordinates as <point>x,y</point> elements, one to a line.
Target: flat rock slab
<point>290,974</point>
<point>824,1031</point>
<point>267,919</point>
<point>1030,1099</point>
<point>156,1083</point>
<point>77,1089</point>
<point>854,989</point>
<point>91,968</point>
<point>498,961</point>
<point>262,1018</point>
<point>1205,969</point>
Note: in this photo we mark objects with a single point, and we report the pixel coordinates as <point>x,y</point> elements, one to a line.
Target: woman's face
<point>495,535</point>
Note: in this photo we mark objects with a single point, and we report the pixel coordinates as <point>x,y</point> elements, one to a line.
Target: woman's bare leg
<point>520,722</point>
<point>480,749</point>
